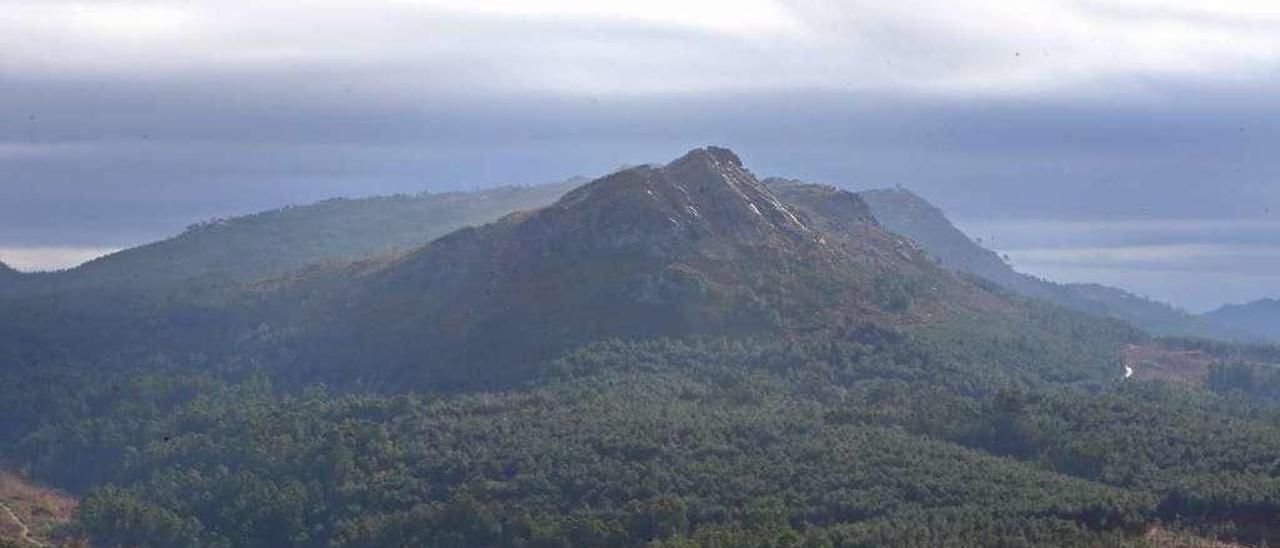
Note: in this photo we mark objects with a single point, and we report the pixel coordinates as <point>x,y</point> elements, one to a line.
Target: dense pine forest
<point>773,373</point>
<point>880,439</point>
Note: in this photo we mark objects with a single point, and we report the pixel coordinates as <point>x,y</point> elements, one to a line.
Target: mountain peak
<point>710,154</point>
<point>713,180</point>
<point>705,192</point>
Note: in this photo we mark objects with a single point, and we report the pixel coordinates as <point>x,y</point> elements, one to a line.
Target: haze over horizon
<point>1120,143</point>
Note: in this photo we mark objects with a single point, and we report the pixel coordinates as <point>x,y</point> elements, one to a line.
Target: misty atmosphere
<point>551,273</point>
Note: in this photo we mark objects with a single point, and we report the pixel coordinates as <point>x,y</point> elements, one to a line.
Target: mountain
<point>906,213</point>
<point>696,247</point>
<point>227,252</point>
<point>1261,317</point>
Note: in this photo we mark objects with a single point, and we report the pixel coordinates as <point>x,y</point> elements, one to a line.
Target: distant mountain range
<point>215,255</point>
<point>1261,317</point>
<point>906,213</point>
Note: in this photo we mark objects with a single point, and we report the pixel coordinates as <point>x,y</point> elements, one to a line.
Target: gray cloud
<point>1079,112</point>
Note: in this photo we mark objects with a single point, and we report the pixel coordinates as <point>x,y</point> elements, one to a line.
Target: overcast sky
<point>1131,143</point>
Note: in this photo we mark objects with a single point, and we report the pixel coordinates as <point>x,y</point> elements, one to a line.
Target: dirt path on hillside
<point>25,531</point>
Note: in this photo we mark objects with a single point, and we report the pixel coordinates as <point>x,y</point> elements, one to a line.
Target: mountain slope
<point>1261,317</point>
<point>908,214</point>
<point>698,246</point>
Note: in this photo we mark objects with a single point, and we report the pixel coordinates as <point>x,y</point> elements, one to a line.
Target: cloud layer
<point>660,46</point>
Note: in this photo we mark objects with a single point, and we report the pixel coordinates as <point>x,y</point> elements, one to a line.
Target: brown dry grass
<point>42,509</point>
<point>1154,362</point>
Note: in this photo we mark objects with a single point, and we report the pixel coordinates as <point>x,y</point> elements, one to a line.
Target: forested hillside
<point>883,440</point>
<point>672,355</point>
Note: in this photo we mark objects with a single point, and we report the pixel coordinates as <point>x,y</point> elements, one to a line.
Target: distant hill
<point>906,213</point>
<point>232,251</point>
<point>1261,317</point>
